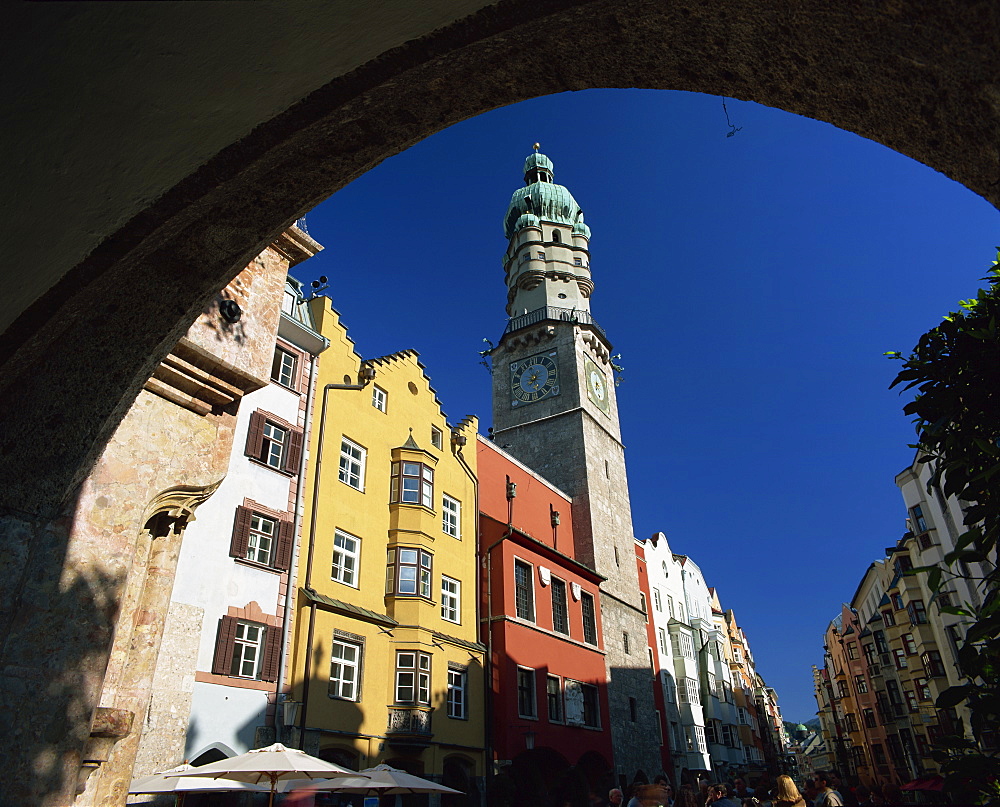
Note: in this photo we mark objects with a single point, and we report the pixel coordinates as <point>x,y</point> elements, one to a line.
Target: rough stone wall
<point>166,720</point>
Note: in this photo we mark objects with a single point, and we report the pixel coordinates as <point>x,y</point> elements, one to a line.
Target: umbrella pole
<point>270,798</point>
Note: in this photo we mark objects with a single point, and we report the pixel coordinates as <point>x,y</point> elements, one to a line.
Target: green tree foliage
<point>955,370</point>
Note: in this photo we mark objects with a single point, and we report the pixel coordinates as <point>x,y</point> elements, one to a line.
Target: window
<point>682,645</point>
<point>851,721</point>
<point>261,535</point>
<point>902,564</point>
<point>699,739</point>
<point>408,572</point>
<point>540,256</point>
<point>852,650</point>
<point>888,619</point>
<point>657,603</point>
<point>869,651</point>
<point>526,692</point>
<point>380,398</point>
<point>727,736</point>
<point>450,599</point>
<point>554,698</point>
<point>413,677</point>
<point>556,237</point>
<point>247,650</point>
<point>897,601</point>
<point>869,718</point>
<point>911,701</point>
<point>345,558</point>
<point>880,644</point>
<point>274,442</point>
<point>670,606</point>
<point>589,618</point>
<point>909,644</point>
<point>860,684</point>
<point>933,664</point>
<point>345,667</point>
<point>878,753</point>
<point>661,637</point>
<point>633,710</point>
<point>900,656</point>
<point>659,726</point>
<point>524,591</point>
<point>437,437</point>
<point>283,368</point>
<point>923,689</point>
<point>560,612</point>
<point>687,691</point>
<point>579,262</point>
<point>842,689</point>
<point>919,522</point>
<point>352,464</point>
<point>625,643</point>
<point>451,514</point>
<point>458,693</point>
<point>669,688</point>
<point>582,704</point>
<point>917,612</point>
<point>858,754</point>
<point>412,483</point>
<point>643,607</point>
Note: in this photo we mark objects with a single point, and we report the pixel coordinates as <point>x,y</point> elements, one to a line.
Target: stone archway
<point>923,81</point>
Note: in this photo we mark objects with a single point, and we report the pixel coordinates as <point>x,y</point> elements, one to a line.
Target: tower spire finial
<point>537,146</point>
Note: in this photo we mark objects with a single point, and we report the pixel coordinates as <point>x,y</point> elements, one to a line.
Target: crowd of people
<point>823,789</point>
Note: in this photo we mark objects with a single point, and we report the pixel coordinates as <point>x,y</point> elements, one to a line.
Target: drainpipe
<point>511,494</point>
<point>286,620</point>
<point>365,376</point>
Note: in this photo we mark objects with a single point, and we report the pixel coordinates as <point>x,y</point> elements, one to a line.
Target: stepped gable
<point>389,360</point>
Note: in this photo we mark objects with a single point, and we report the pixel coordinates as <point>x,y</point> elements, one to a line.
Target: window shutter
<point>283,554</point>
<point>300,371</point>
<point>272,654</point>
<point>294,453</point>
<point>241,533</point>
<point>225,641</point>
<point>255,435</point>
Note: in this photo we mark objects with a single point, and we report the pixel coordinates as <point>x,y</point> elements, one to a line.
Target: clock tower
<point>555,409</point>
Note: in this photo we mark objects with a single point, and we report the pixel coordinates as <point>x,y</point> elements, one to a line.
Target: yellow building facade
<point>385,658</point>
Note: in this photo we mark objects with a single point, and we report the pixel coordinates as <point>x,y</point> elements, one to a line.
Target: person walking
<point>826,796</point>
<point>787,794</point>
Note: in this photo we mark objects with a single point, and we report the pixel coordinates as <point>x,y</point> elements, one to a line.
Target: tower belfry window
<point>555,236</point>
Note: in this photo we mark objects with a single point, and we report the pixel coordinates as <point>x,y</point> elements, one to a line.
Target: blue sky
<point>751,284</point>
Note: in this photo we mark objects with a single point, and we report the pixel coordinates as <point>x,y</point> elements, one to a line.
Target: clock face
<point>597,385</point>
<point>533,379</point>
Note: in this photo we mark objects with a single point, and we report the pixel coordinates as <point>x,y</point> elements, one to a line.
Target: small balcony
<point>409,727</point>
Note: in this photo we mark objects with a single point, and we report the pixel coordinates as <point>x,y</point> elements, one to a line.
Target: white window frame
<point>345,671</point>
<point>699,737</point>
<point>408,557</point>
<point>451,516</point>
<point>413,676</point>
<point>528,588</point>
<point>661,637</point>
<point>247,651</point>
<point>657,601</point>
<point>458,694</point>
<point>346,558</point>
<point>283,367</point>
<point>451,599</point>
<point>554,696</point>
<point>352,464</point>
<point>258,536</point>
<point>527,674</point>
<point>437,437</point>
<point>380,398</point>
<point>412,483</point>
<point>275,443</point>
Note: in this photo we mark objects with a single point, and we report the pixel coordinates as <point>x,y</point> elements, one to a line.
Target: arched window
<point>556,237</point>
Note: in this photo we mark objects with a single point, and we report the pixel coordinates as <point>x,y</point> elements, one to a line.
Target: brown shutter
<point>255,435</point>
<point>300,371</point>
<point>272,654</point>
<point>294,453</point>
<point>241,533</point>
<point>283,553</point>
<point>225,642</point>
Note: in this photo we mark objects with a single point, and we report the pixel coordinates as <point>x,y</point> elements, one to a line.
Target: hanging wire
<point>729,123</point>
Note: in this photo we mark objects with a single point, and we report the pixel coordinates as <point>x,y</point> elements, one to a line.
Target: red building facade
<point>541,623</point>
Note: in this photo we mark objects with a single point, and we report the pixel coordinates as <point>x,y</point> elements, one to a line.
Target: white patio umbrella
<point>271,765</point>
<point>382,779</point>
<point>171,782</point>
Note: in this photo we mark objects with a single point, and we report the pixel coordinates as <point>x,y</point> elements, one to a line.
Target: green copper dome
<point>542,200</point>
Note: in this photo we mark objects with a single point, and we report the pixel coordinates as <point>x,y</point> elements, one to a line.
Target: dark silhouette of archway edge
<point>924,81</point>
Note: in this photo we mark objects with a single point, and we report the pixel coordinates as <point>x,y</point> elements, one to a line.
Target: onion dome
<point>542,200</point>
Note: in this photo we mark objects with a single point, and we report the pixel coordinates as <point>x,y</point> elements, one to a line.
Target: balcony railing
<point>552,313</point>
<point>411,726</point>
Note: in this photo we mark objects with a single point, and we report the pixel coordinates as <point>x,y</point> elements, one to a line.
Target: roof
<point>348,609</point>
